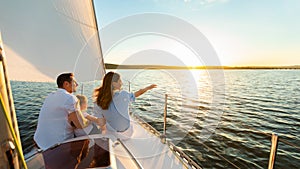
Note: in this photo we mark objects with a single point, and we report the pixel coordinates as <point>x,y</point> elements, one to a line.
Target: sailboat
<point>62,36</point>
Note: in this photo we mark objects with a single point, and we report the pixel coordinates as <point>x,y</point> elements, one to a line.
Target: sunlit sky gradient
<point>243,32</point>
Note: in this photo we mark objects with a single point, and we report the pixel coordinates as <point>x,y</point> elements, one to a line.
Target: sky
<point>241,32</point>
<point>184,33</point>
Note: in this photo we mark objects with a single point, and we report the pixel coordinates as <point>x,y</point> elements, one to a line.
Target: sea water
<point>220,118</point>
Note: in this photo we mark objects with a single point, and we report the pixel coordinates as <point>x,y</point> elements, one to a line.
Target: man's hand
<point>101,122</point>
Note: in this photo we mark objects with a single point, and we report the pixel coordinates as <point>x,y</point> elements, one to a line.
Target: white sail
<point>57,36</point>
<point>54,36</point>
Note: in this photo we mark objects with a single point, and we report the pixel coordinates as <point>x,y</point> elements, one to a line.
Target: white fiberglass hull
<point>144,150</point>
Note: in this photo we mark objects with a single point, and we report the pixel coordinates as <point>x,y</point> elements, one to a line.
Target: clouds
<point>189,4</point>
<point>206,2</point>
<point>196,5</point>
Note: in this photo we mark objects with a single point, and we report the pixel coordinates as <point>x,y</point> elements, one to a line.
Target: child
<point>91,128</point>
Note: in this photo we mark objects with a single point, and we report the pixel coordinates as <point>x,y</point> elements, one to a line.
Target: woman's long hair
<point>103,94</point>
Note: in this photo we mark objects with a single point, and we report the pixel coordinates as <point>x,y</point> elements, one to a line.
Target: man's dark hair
<point>62,78</point>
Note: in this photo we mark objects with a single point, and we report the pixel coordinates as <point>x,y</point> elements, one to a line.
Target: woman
<point>111,103</point>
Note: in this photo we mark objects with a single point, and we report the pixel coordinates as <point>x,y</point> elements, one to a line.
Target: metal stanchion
<point>164,135</point>
<point>273,150</point>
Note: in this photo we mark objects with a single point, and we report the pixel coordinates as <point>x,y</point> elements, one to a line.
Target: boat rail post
<point>273,151</point>
<point>128,85</point>
<point>164,135</point>
<point>82,89</point>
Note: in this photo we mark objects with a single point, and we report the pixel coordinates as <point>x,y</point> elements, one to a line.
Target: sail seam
<point>75,20</point>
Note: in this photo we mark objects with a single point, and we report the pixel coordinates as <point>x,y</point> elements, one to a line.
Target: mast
<point>98,37</point>
<point>11,155</point>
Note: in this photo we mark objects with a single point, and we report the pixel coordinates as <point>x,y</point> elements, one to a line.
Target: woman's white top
<point>117,115</point>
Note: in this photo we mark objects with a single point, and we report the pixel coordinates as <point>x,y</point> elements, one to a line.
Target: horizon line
<point>137,66</point>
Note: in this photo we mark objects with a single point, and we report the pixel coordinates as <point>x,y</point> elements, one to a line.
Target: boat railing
<point>273,149</point>
<point>175,148</point>
<point>275,140</point>
<point>179,153</point>
<point>164,135</point>
<point>137,163</point>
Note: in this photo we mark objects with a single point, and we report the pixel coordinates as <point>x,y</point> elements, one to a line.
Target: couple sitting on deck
<point>61,117</point>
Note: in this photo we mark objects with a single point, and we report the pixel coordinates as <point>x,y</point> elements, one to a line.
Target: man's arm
<point>78,120</point>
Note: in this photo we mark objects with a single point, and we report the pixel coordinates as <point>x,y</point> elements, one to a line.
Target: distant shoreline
<point>115,66</point>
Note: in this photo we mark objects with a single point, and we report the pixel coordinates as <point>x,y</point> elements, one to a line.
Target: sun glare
<point>178,53</point>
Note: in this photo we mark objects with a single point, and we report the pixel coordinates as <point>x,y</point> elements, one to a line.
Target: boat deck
<point>143,150</point>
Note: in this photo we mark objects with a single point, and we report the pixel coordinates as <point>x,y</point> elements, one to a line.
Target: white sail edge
<point>54,36</point>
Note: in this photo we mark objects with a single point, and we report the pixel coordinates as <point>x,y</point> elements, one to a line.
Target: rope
<point>13,133</point>
<point>257,131</point>
<point>270,135</point>
<point>288,143</point>
<point>210,149</point>
<point>73,19</point>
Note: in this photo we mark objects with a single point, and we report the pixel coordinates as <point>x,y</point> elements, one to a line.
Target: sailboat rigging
<point>59,36</point>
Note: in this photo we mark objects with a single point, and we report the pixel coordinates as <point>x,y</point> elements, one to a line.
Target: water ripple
<point>257,103</point>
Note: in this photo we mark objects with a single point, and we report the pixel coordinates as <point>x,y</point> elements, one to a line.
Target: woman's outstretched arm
<point>142,91</point>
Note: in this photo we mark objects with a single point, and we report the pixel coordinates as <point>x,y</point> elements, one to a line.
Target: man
<point>58,111</point>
